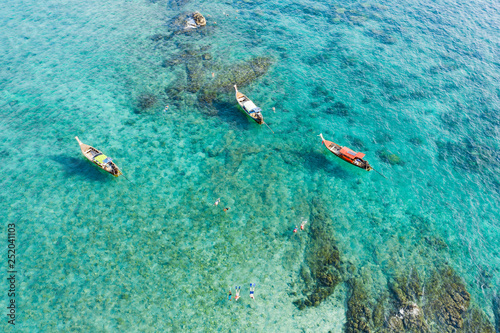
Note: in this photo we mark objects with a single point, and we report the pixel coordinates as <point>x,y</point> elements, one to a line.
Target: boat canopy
<point>249,105</point>
<point>255,110</point>
<point>351,154</point>
<point>101,159</point>
<point>347,152</point>
<point>360,155</point>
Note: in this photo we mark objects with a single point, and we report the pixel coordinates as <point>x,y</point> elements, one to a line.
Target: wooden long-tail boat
<point>347,154</point>
<point>99,159</point>
<point>249,107</point>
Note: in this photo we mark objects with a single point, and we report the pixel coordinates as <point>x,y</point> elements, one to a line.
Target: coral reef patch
<point>145,101</point>
<point>443,307</point>
<point>358,309</point>
<point>322,273</point>
<point>390,158</point>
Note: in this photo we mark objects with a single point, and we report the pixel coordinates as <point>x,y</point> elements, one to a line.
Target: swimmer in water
<point>303,224</point>
<point>238,289</point>
<point>274,109</point>
<point>226,209</point>
<point>252,289</point>
<point>295,230</point>
<point>217,202</point>
<point>229,296</point>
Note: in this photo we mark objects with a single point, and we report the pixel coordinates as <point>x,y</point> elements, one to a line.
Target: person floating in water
<point>295,230</point>
<point>229,296</point>
<point>303,224</point>
<point>238,289</point>
<point>226,209</point>
<point>217,202</point>
<point>252,289</point>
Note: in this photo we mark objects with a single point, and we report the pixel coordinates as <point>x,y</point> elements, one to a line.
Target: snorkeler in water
<point>252,289</point>
<point>303,224</point>
<point>217,202</point>
<point>229,296</point>
<point>238,289</point>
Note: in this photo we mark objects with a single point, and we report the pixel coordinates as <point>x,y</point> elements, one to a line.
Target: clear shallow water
<point>418,79</point>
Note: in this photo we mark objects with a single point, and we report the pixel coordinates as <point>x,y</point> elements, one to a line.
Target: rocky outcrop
<point>448,300</point>
<point>475,321</point>
<point>199,19</point>
<point>145,101</point>
<point>358,309</point>
<point>188,21</point>
<point>407,315</point>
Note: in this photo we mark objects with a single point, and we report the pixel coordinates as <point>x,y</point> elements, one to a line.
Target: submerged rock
<point>358,309</point>
<point>241,74</point>
<point>476,321</point>
<point>448,299</point>
<point>339,109</point>
<point>145,101</point>
<point>322,274</point>
<point>496,311</point>
<point>390,158</point>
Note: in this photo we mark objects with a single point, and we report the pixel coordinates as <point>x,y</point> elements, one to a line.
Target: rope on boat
<point>268,126</point>
<point>380,173</point>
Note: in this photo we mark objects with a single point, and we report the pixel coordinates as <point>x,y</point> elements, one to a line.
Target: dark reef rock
<point>381,36</point>
<point>378,315</point>
<point>408,316</point>
<point>496,311</point>
<point>476,321</point>
<point>356,143</point>
<point>417,141</point>
<point>195,77</point>
<point>469,156</point>
<point>145,101</point>
<point>448,299</point>
<point>443,309</point>
<point>240,74</point>
<point>339,109</point>
<point>322,274</point>
<point>407,288</point>
<point>390,158</point>
<point>436,242</point>
<point>177,3</point>
<point>358,309</point>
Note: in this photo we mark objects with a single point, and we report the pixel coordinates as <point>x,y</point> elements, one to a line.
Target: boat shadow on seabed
<point>315,161</point>
<point>229,113</point>
<point>78,167</point>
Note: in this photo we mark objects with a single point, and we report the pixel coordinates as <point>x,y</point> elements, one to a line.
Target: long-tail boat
<point>99,159</point>
<point>249,107</point>
<point>347,154</point>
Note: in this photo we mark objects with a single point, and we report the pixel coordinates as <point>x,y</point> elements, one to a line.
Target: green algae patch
<point>390,158</point>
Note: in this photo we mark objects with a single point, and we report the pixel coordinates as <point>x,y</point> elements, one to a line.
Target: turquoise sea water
<point>415,83</point>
